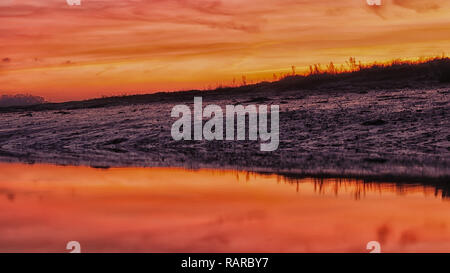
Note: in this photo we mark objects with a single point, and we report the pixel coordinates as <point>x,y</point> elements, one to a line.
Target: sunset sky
<point>108,47</point>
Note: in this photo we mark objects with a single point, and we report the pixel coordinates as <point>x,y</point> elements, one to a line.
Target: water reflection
<point>360,187</point>
<point>176,210</point>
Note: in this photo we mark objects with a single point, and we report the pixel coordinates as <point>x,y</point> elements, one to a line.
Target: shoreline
<point>390,121</point>
<point>332,134</point>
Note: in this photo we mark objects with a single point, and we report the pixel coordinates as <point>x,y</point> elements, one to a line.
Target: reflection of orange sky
<point>113,47</point>
<point>173,210</point>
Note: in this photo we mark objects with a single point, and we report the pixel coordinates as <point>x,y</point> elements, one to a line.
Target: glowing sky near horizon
<point>106,47</point>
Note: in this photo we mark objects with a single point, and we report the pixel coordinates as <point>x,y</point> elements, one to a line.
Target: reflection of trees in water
<point>360,186</point>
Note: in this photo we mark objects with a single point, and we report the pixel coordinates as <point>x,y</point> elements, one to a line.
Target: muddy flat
<point>399,132</point>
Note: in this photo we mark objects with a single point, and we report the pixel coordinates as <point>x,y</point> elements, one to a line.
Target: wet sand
<point>380,134</point>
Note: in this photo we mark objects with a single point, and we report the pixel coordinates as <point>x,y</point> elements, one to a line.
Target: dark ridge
<point>419,75</point>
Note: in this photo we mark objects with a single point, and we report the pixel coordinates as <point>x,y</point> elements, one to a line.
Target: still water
<point>42,207</point>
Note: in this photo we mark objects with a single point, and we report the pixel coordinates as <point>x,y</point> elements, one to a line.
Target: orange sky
<point>106,47</point>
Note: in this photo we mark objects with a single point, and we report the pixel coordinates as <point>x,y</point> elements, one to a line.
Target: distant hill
<point>20,100</point>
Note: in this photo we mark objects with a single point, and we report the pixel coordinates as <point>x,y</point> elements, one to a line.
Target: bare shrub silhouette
<point>423,69</point>
<point>244,80</point>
